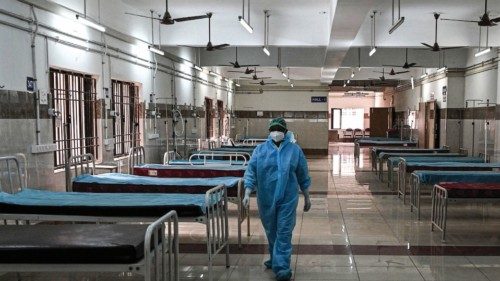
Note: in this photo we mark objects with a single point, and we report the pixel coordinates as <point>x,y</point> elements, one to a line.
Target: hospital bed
<point>375,152</point>
<point>375,142</point>
<point>445,193</point>
<point>81,180</point>
<point>209,209</point>
<point>393,162</point>
<point>220,155</point>
<point>205,172</point>
<point>421,179</point>
<point>150,250</point>
<point>407,167</point>
<point>383,156</point>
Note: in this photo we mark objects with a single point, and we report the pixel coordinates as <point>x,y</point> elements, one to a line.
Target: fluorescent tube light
<point>215,74</point>
<point>412,83</point>
<point>423,75</point>
<point>288,80</point>
<point>352,74</point>
<point>374,49</point>
<point>237,85</point>
<point>348,81</point>
<point>291,85</point>
<point>483,52</point>
<point>156,51</point>
<point>397,24</point>
<point>441,69</point>
<point>245,24</point>
<point>225,79</point>
<point>188,63</point>
<point>345,84</point>
<point>90,24</point>
<point>266,50</point>
<point>197,68</point>
<point>283,73</point>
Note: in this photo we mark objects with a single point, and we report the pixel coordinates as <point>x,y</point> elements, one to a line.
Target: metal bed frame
<point>215,219</point>
<point>415,192</point>
<point>440,202</point>
<point>162,257</point>
<point>233,156</point>
<point>137,156</point>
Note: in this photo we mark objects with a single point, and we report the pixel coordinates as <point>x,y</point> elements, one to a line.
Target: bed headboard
<point>136,156</point>
<point>10,174</point>
<point>81,164</point>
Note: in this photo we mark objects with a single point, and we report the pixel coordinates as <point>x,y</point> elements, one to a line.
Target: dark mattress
<point>72,243</point>
<point>163,171</point>
<point>472,190</point>
<point>123,183</point>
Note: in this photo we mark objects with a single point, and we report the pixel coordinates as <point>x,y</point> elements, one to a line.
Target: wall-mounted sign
<point>445,92</point>
<point>318,99</point>
<point>30,84</point>
<point>260,113</point>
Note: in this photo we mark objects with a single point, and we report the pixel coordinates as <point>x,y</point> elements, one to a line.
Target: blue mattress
<point>395,160</point>
<point>386,142</point>
<point>378,150</point>
<point>227,150</point>
<point>197,162</point>
<point>377,139</point>
<point>453,164</point>
<point>126,179</point>
<point>33,201</point>
<point>434,177</point>
<point>197,167</point>
<point>385,155</point>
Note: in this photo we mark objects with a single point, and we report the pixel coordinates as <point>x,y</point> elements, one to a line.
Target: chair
<point>348,133</point>
<point>358,133</point>
<point>366,132</point>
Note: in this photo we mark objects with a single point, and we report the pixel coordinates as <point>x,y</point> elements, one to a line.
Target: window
<point>75,127</point>
<point>209,118</point>
<point>353,118</point>
<point>336,119</point>
<point>412,119</point>
<point>125,104</point>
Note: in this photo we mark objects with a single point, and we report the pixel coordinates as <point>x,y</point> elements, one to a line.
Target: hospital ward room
<point>249,140</point>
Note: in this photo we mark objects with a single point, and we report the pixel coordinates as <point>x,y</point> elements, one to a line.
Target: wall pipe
<point>33,65</point>
<point>177,73</point>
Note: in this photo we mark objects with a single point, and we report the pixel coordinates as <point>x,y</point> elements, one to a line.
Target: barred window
<point>125,104</point>
<point>75,126</point>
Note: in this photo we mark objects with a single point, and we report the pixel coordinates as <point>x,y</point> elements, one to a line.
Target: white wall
<point>280,100</point>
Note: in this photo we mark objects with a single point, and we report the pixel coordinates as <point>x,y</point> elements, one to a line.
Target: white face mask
<point>277,136</point>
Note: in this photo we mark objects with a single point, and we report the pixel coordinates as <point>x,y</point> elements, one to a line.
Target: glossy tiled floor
<point>357,229</point>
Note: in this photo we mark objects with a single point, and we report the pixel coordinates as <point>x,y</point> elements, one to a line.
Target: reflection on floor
<point>357,229</point>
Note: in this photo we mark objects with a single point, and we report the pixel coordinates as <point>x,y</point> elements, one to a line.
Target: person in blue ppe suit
<point>276,171</point>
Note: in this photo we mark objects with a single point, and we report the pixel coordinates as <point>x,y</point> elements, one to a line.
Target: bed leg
<point>248,220</point>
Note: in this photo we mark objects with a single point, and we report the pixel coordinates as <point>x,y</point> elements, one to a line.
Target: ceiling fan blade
<point>255,83</point>
<point>270,83</point>
<point>449,48</point>
<point>401,72</point>
<point>249,65</point>
<point>390,65</point>
<point>221,46</point>
<point>229,65</point>
<point>474,21</point>
<point>142,16</point>
<point>191,18</point>
<point>234,71</point>
<point>427,45</point>
<point>495,19</point>
<point>412,64</point>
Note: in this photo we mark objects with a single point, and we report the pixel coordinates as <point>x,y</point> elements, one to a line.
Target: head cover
<point>278,122</point>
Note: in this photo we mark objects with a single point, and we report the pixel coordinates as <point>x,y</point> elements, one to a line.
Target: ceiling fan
<point>406,65</point>
<point>236,64</point>
<point>211,47</point>
<point>484,20</point>
<point>254,76</point>
<point>392,72</point>
<point>262,83</point>
<point>435,47</point>
<point>167,18</point>
<point>247,71</point>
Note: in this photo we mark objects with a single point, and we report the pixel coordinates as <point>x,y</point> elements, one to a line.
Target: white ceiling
<point>337,26</point>
<point>292,22</point>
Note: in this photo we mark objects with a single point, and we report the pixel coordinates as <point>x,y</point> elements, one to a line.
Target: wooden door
<point>422,125</point>
<point>380,120</point>
<point>209,118</point>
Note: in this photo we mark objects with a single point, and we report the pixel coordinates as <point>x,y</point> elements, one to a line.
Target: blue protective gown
<point>276,173</point>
